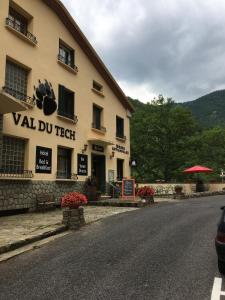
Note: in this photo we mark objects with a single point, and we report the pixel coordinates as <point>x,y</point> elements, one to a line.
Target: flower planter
<point>73,218</point>
<point>73,213</point>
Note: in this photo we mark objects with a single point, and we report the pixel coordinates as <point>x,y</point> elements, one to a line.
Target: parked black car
<point>220,242</point>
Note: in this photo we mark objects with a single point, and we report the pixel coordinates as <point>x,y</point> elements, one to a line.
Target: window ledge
<point>74,121</point>
<point>66,180</point>
<point>98,93</point>
<point>121,139</point>
<point>14,178</point>
<point>67,67</point>
<point>21,35</point>
<point>103,132</point>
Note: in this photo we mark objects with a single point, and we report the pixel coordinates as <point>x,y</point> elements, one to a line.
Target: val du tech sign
<point>43,160</point>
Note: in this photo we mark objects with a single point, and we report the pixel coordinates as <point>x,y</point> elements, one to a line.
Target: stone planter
<point>73,218</point>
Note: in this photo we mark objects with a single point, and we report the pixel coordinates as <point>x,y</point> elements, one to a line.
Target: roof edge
<point>61,11</point>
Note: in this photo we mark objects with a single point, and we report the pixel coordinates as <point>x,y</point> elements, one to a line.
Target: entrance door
<point>98,171</point>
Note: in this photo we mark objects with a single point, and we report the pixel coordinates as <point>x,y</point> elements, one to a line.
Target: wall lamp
<point>85,148</point>
<point>112,155</point>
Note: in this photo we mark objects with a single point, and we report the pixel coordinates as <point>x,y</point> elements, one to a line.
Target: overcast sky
<point>170,47</point>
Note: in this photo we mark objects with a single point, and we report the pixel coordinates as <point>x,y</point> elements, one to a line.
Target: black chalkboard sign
<point>43,160</point>
<point>128,188</point>
<point>82,165</point>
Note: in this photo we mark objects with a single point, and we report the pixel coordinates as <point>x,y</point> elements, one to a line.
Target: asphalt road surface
<point>162,252</point>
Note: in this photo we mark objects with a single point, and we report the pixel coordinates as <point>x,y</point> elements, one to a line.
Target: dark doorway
<point>98,171</point>
<point>120,169</point>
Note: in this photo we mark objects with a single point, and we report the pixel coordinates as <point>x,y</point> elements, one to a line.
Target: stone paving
<point>26,226</point>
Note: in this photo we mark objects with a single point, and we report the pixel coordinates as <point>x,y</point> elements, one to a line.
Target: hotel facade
<point>63,117</point>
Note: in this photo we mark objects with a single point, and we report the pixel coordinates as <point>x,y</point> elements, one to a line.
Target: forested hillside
<point>209,109</point>
<point>167,137</point>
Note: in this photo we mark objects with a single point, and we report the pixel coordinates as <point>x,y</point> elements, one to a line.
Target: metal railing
<point>66,175</point>
<point>18,95</point>
<point>121,136</point>
<point>15,173</point>
<point>68,115</point>
<point>21,29</point>
<point>68,63</point>
<point>101,128</point>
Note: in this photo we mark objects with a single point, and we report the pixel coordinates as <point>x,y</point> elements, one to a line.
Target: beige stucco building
<point>63,116</point>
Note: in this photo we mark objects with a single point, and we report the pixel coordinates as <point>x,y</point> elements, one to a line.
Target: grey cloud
<point>175,46</point>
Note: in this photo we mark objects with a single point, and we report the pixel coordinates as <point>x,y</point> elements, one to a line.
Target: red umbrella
<point>198,169</point>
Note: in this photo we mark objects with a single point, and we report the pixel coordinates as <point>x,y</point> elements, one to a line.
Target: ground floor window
<point>13,154</point>
<point>64,163</point>
<point>120,163</point>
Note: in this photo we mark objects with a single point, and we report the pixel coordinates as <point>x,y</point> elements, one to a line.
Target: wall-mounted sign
<point>31,123</point>
<point>82,164</point>
<point>97,148</point>
<point>128,188</point>
<point>43,160</point>
<point>120,149</point>
<point>45,97</point>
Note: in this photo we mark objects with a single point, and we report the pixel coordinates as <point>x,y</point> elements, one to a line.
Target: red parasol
<point>198,169</point>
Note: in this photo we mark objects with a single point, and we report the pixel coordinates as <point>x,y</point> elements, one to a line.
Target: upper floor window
<point>66,54</point>
<point>16,80</point>
<point>19,21</point>
<point>66,103</point>
<point>97,86</point>
<point>97,118</point>
<point>120,127</point>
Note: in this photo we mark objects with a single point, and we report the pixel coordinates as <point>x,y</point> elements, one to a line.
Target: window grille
<point>16,80</point>
<point>13,154</point>
<point>64,163</point>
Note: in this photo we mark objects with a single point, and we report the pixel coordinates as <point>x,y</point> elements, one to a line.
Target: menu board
<point>128,188</point>
<point>43,160</point>
<point>82,165</point>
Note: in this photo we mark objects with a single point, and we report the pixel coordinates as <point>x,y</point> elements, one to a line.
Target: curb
<point>18,244</point>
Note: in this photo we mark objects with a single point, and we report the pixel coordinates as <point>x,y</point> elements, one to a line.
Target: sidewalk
<point>19,230</point>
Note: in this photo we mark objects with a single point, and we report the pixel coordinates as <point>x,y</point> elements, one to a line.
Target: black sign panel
<point>43,160</point>
<point>97,148</point>
<point>128,188</point>
<point>82,165</point>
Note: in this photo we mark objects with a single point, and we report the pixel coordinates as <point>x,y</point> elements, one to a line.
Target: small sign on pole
<point>128,189</point>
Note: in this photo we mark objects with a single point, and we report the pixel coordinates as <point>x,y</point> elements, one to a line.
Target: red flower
<point>145,191</point>
<point>73,200</point>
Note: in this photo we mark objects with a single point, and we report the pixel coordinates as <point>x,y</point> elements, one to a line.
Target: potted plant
<point>146,193</point>
<point>178,189</point>
<point>73,214</point>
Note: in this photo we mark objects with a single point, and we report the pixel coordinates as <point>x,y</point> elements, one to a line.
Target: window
<point>17,21</point>
<point>66,103</point>
<point>120,169</point>
<point>64,163</point>
<point>120,127</point>
<point>66,55</point>
<point>97,112</point>
<point>13,154</point>
<point>98,87</point>
<point>20,23</point>
<point>16,80</point>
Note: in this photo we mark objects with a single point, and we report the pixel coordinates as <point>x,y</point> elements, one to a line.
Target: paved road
<point>162,252</point>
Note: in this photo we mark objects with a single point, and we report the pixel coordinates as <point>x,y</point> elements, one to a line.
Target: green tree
<point>160,134</point>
